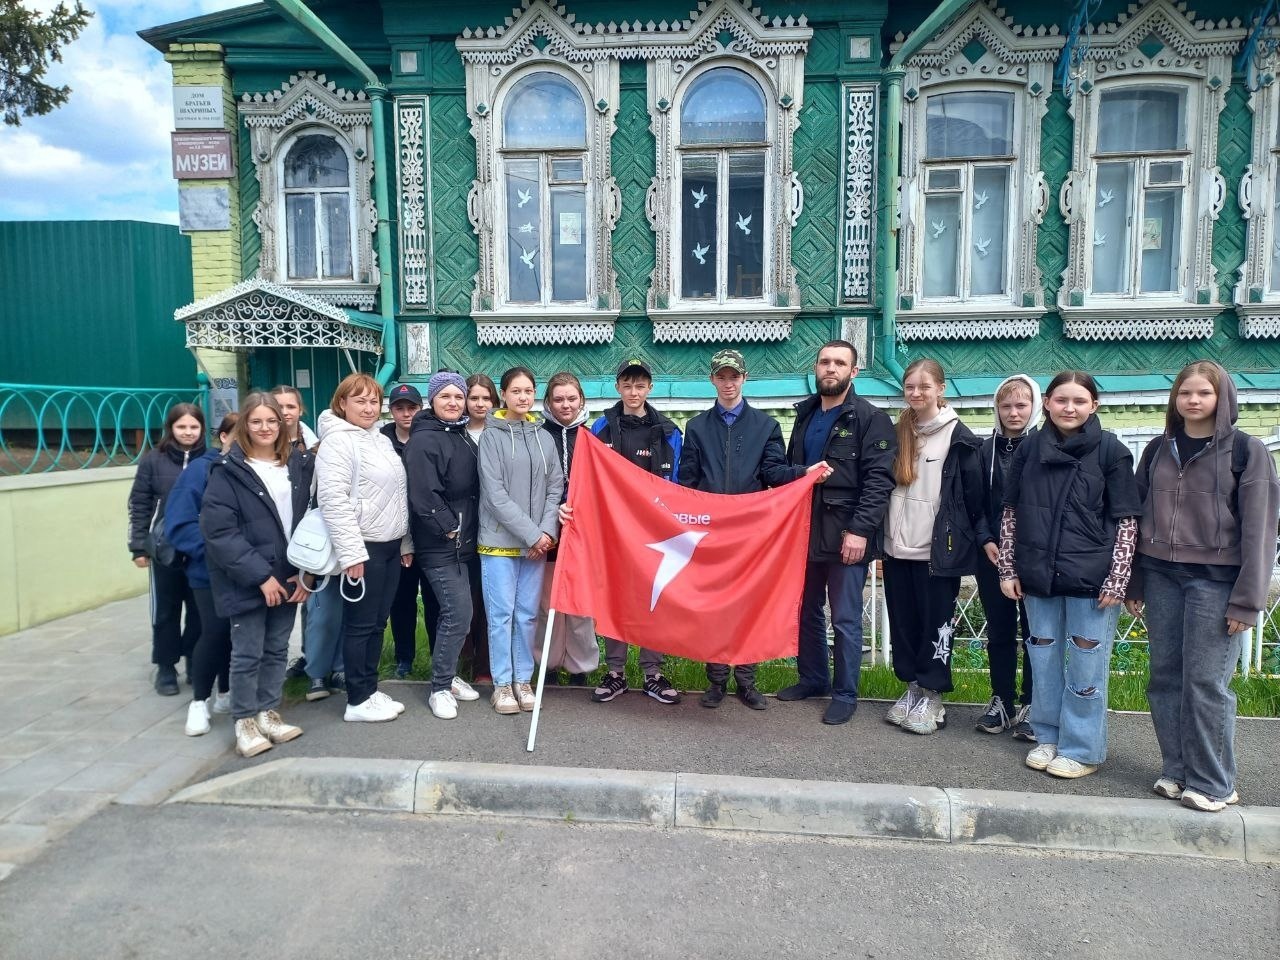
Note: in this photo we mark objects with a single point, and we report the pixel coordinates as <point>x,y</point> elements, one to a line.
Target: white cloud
<point>105,155</point>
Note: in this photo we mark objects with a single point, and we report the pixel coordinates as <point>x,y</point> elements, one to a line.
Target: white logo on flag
<point>676,554</point>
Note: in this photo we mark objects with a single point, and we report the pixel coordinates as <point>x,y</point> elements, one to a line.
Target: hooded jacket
<point>521,482</point>
<point>565,437</point>
<point>661,435</point>
<point>998,450</point>
<point>444,490</point>
<point>1069,495</point>
<point>743,458</point>
<point>182,518</point>
<point>1204,511</point>
<point>860,449</point>
<point>245,542</point>
<point>380,510</point>
<point>157,472</point>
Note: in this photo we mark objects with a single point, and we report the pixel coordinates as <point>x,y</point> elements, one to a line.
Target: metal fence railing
<point>46,428</point>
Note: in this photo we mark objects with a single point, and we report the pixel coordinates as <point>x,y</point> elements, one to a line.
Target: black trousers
<point>170,637</point>
<point>1004,617</point>
<point>365,621</point>
<point>921,609</point>
<point>211,658</point>
<point>404,613</point>
<point>475,648</point>
<point>743,673</point>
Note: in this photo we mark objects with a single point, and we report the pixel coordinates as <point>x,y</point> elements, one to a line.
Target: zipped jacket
<point>960,527</point>
<point>744,457</point>
<point>182,518</point>
<point>661,434</point>
<point>444,490</point>
<point>520,484</point>
<point>158,471</point>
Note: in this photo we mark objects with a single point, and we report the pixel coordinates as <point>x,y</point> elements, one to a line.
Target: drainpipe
<point>297,13</point>
<point>894,75</point>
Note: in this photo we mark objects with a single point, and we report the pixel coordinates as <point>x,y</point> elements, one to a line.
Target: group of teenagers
<point>464,496</point>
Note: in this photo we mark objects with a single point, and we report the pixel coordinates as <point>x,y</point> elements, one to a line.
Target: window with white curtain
<point>967,167</point>
<point>317,197</point>
<point>1141,162</point>
<point>544,176</point>
<point>723,227</point>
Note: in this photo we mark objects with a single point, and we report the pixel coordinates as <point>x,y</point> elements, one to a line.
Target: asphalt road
<point>787,740</point>
<point>189,882</point>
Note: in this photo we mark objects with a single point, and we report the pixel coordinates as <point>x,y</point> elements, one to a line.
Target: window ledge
<point>1140,320</point>
<point>1259,320</point>
<point>969,321</point>
<point>544,325</point>
<point>716,323</point>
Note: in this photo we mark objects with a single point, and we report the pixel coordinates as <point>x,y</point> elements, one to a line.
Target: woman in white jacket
<point>360,486</point>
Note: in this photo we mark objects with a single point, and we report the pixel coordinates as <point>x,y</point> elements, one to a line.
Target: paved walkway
<point>81,727</point>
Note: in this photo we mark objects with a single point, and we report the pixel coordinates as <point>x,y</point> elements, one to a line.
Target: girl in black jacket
<point>1066,545</point>
<point>444,489</point>
<point>181,443</point>
<point>934,529</point>
<point>256,495</point>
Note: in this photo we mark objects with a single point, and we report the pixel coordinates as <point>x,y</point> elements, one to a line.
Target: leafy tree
<point>29,41</point>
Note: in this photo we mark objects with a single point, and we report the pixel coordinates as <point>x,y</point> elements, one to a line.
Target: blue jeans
<point>841,583</point>
<point>1192,662</point>
<point>1070,706</point>
<point>322,631</point>
<point>512,588</point>
<point>451,586</point>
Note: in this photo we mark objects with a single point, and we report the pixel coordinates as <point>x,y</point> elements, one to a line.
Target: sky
<point>105,154</point>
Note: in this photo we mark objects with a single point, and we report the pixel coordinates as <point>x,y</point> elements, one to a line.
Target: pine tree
<point>29,42</point>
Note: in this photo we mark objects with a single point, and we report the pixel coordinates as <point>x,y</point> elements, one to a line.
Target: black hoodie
<point>157,472</point>
<point>442,468</point>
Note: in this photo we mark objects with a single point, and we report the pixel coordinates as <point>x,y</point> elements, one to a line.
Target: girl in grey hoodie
<point>520,485</point>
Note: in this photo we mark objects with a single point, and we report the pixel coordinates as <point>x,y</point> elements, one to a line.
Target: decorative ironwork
<point>414,202</point>
<point>1071,60</point>
<point>1260,47</point>
<point>47,428</point>
<point>860,105</point>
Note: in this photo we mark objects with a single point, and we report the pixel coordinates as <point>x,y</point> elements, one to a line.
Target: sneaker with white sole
<point>462,690</point>
<point>443,705</point>
<point>221,702</point>
<point>249,739</point>
<point>275,729</point>
<point>996,718</point>
<point>1067,769</point>
<point>1042,756</point>
<point>370,711</point>
<point>611,685</point>
<point>197,718</point>
<point>503,700</point>
<point>386,701</point>
<point>524,695</point>
<point>898,712</point>
<point>1021,725</point>
<point>661,689</point>
<point>927,714</point>
<point>1168,788</point>
<point>1203,802</point>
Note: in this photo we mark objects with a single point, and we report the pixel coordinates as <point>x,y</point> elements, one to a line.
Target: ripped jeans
<point>1070,706</point>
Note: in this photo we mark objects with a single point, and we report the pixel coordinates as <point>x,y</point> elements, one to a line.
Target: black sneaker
<point>167,680</point>
<point>996,718</point>
<point>839,711</point>
<point>1022,729</point>
<point>660,688</point>
<point>611,685</point>
<point>753,698</point>
<point>318,689</point>
<point>802,691</point>
<point>297,668</point>
<point>337,682</point>
<point>713,696</point>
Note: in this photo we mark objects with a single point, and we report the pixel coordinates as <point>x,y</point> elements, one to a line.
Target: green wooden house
<point>1026,187</point>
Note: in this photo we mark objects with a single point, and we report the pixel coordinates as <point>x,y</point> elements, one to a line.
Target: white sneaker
<point>371,711</point>
<point>386,701</point>
<point>197,718</point>
<point>443,705</point>
<point>1042,755</point>
<point>898,712</point>
<point>503,700</point>
<point>462,690</point>
<point>275,729</point>
<point>249,739</point>
<point>927,714</point>
<point>222,702</point>
<point>1068,769</point>
<point>1199,801</point>
<point>524,694</point>
<point>1168,788</point>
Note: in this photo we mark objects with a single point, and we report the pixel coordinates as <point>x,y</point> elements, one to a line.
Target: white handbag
<point>311,547</point>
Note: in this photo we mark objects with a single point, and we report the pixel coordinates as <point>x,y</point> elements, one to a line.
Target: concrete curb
<point>800,807</point>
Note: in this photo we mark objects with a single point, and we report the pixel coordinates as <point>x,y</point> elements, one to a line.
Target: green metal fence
<point>45,428</point>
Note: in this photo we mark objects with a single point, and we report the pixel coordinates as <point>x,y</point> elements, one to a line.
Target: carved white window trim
<point>1196,54</point>
<point>413,201</point>
<point>861,104</point>
<point>1257,305</point>
<point>308,103</point>
<point>1018,60</point>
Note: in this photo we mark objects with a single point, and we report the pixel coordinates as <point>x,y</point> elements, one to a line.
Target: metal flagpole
<point>542,679</point>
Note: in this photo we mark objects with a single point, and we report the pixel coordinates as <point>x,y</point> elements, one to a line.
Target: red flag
<point>701,575</point>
